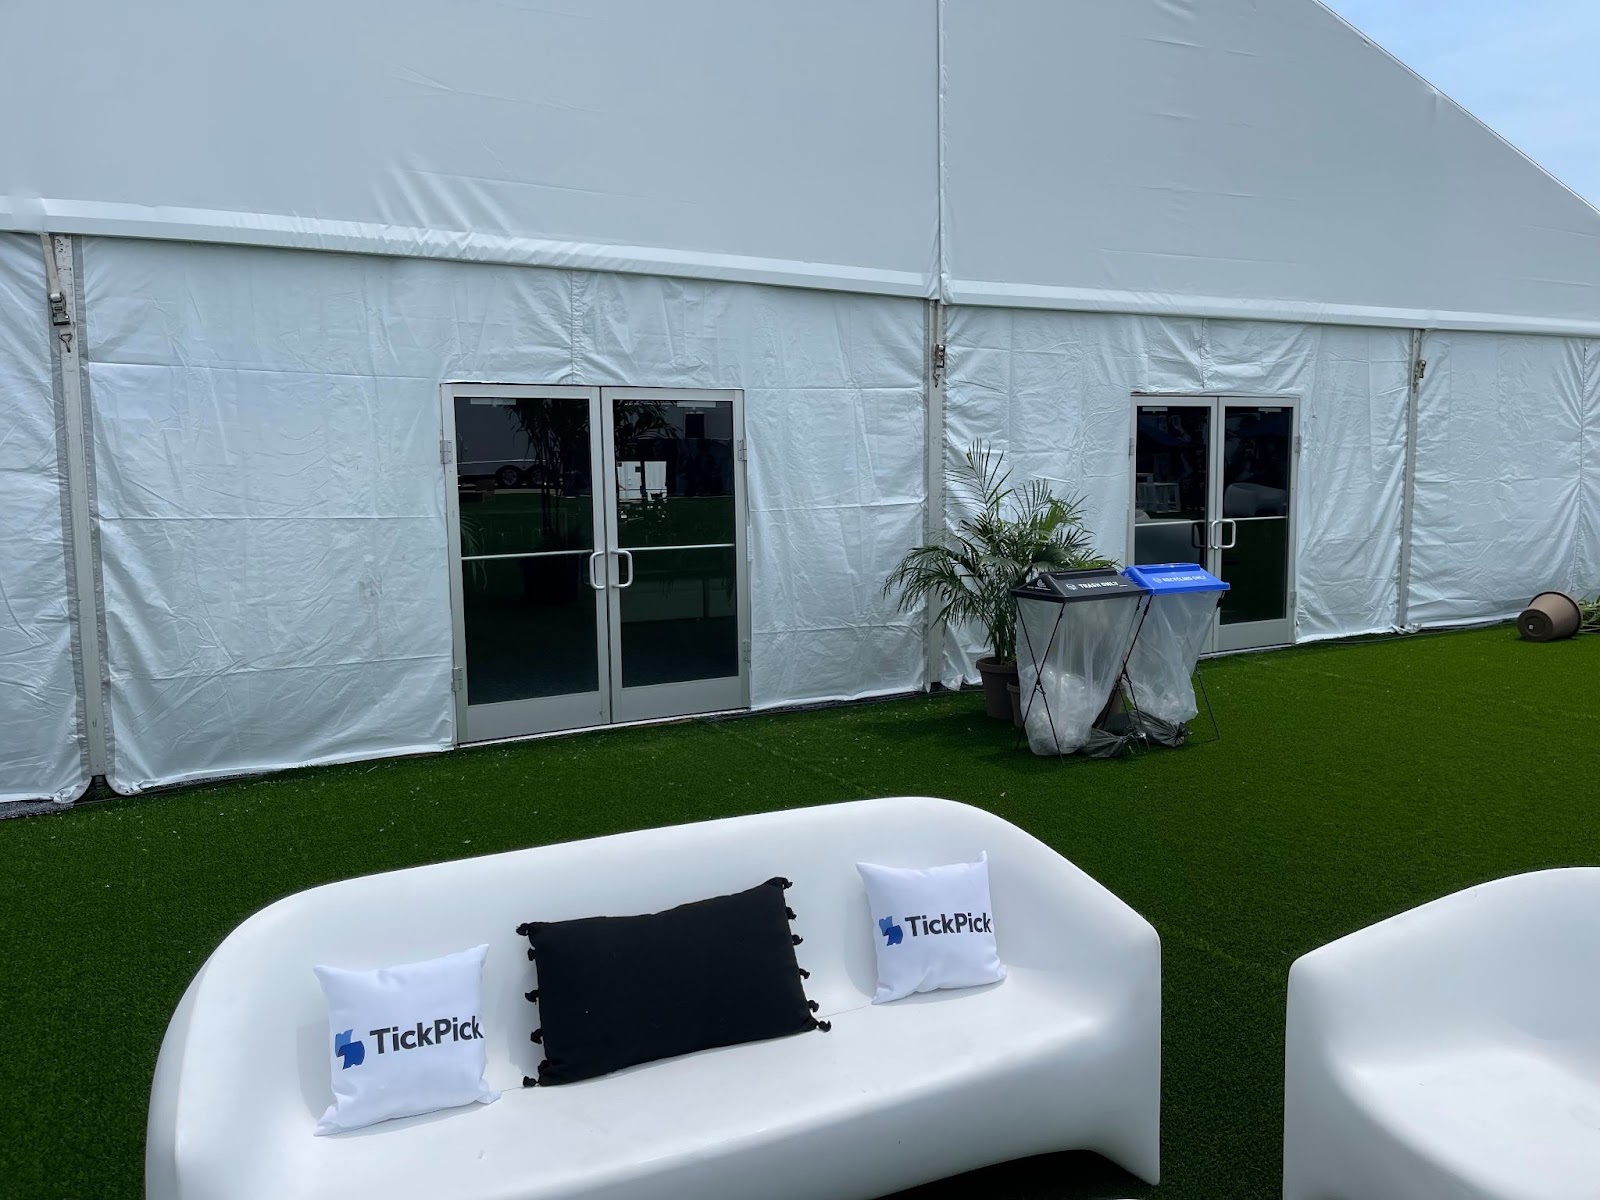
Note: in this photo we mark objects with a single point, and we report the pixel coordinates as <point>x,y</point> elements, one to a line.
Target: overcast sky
<point>1528,68</point>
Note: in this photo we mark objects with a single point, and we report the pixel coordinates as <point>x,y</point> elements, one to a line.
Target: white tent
<point>1188,260</point>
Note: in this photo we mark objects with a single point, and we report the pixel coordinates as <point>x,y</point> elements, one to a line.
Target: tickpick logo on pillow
<point>923,925</point>
<point>354,1053</point>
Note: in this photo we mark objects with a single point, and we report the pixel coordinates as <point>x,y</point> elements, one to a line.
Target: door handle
<point>1233,534</point>
<point>593,582</point>
<point>623,554</point>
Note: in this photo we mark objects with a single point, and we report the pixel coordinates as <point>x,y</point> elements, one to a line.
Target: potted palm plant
<point>1012,534</point>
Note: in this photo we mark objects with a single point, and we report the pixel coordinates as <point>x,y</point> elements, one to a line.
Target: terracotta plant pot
<point>1014,690</point>
<point>996,673</point>
<point>1549,617</point>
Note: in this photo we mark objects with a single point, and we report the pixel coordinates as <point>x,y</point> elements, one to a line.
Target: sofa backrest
<point>257,1013</point>
<point>1519,955</point>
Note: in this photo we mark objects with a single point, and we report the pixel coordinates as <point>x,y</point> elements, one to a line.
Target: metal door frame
<point>1225,638</point>
<point>690,696</point>
<point>539,714</point>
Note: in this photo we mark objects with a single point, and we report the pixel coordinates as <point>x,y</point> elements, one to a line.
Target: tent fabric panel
<point>272,502</point>
<point>1588,578</point>
<point>1172,158</point>
<point>42,755</point>
<point>834,421</point>
<point>257,528</point>
<point>702,138</point>
<point>1499,476</point>
<point>1055,390</point>
<point>1353,387</point>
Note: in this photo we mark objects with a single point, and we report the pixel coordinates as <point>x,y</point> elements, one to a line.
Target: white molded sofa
<point>1452,1051</point>
<point>1064,1054</point>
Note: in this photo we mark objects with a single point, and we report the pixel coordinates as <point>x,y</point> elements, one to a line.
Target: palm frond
<point>1007,535</point>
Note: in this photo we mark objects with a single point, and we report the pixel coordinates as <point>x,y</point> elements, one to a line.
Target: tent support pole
<point>1408,498</point>
<point>933,359</point>
<point>66,344</point>
<point>933,470</point>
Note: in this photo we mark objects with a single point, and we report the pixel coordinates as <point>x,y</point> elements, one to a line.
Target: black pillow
<point>617,991</point>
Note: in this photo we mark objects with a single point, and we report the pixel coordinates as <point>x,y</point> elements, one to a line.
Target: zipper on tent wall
<point>1408,497</point>
<point>933,473</point>
<point>66,346</point>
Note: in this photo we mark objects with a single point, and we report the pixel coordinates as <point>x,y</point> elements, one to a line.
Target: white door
<point>597,555</point>
<point>1214,484</point>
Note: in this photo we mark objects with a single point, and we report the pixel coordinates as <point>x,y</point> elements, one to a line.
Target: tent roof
<point>1251,158</point>
<point>1241,158</point>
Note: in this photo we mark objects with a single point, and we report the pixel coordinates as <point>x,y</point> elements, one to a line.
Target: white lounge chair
<point>1064,1054</point>
<point>1452,1051</point>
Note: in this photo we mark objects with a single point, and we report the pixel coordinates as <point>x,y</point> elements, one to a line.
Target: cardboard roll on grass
<point>1549,617</point>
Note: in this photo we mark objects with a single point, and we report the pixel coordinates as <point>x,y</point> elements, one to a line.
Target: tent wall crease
<point>41,735</point>
<point>272,500</point>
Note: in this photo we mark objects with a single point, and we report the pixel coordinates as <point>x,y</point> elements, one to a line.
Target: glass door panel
<point>531,600</point>
<point>676,509</point>
<point>530,629</point>
<point>680,617</point>
<point>1254,533</point>
<point>1172,481</point>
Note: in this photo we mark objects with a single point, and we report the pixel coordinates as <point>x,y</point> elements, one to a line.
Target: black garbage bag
<point>1162,733</point>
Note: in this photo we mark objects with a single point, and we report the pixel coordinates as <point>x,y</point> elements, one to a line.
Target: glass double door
<point>1213,484</point>
<point>598,556</point>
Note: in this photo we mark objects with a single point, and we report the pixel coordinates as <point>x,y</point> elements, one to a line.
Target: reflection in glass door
<point>1214,485</point>
<point>597,542</point>
<point>675,523</point>
<point>529,588</point>
<point>1172,482</point>
<point>1254,529</point>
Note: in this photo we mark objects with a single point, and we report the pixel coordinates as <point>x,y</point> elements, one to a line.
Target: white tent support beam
<point>933,469</point>
<point>1408,498</point>
<point>941,263</point>
<point>66,342</point>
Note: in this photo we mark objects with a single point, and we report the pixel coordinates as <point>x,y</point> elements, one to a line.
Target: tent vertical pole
<point>933,472</point>
<point>934,367</point>
<point>941,264</point>
<point>66,342</point>
<point>1408,497</point>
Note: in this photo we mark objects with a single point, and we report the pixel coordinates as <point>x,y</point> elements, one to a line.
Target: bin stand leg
<point>1138,734</point>
<point>1124,681</point>
<point>1039,687</point>
<point>1206,696</point>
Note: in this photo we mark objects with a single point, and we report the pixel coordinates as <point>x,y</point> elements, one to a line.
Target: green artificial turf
<point>1351,782</point>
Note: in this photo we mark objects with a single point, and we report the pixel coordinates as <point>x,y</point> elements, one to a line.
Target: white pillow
<point>932,926</point>
<point>405,1040</point>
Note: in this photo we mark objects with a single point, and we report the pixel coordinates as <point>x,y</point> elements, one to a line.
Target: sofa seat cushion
<point>1506,1120</point>
<point>583,1137</point>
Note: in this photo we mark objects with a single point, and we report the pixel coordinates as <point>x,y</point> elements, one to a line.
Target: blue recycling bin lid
<point>1172,578</point>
